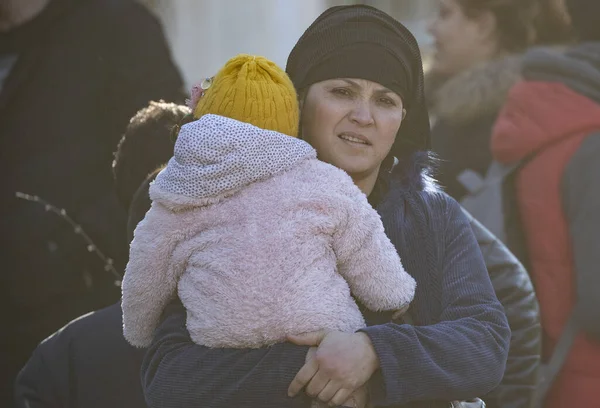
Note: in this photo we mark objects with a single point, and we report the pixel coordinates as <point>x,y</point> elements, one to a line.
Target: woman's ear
<point>403,113</point>
<point>301,98</point>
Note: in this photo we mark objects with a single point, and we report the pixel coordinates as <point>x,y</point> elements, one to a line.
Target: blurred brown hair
<point>523,23</point>
<point>552,23</point>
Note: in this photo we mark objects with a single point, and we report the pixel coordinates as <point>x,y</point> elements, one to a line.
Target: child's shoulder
<point>314,169</point>
<point>323,179</point>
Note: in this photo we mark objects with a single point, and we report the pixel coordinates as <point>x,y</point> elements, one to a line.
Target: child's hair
<point>146,145</point>
<point>553,24</point>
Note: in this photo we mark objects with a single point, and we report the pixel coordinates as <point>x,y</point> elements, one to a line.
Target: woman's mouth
<point>355,139</point>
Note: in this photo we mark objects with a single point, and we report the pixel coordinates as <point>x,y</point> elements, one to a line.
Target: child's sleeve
<point>368,260</point>
<point>151,276</point>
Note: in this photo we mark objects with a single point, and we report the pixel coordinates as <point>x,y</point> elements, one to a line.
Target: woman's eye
<point>387,101</point>
<point>341,92</point>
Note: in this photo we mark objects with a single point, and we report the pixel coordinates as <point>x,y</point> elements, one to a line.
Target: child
<point>257,237</point>
<point>146,145</point>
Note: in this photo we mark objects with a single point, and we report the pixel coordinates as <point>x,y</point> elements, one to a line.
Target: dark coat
<point>87,364</point>
<point>514,290</point>
<point>456,350</point>
<point>83,68</point>
<point>464,109</point>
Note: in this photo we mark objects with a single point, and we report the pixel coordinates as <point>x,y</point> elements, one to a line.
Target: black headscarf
<point>363,42</point>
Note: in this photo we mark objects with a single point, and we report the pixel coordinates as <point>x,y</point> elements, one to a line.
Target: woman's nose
<point>361,114</point>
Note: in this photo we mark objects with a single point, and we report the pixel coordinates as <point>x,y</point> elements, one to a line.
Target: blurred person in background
<point>88,363</point>
<point>146,145</point>
<point>72,73</point>
<point>551,124</point>
<point>478,57</point>
<point>478,48</point>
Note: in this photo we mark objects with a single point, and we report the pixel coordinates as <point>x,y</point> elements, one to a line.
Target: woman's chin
<point>355,168</point>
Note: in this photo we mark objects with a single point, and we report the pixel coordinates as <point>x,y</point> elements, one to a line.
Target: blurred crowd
<point>89,95</point>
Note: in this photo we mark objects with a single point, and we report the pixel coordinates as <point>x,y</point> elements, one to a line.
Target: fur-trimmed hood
<point>216,156</point>
<point>476,92</point>
<point>578,68</point>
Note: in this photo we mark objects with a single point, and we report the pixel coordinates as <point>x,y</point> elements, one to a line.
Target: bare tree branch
<point>77,229</point>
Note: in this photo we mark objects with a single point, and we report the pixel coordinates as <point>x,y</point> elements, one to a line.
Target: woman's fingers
<point>329,391</point>
<point>341,398</point>
<point>306,373</point>
<point>317,384</point>
<point>307,339</point>
<point>400,312</point>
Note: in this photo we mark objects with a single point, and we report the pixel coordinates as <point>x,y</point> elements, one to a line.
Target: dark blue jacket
<point>457,350</point>
<point>86,364</point>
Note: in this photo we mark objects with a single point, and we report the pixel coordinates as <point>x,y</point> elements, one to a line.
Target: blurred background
<point>203,34</point>
<point>80,136</point>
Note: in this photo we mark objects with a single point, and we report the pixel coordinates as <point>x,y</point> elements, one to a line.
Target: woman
<point>357,70</point>
<point>478,46</point>
<point>477,58</point>
<point>551,124</point>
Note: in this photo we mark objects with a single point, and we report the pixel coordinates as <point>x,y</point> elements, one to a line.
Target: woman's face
<point>351,123</point>
<point>461,42</point>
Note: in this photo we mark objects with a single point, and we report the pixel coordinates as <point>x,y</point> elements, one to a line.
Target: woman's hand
<point>343,363</point>
<point>359,398</point>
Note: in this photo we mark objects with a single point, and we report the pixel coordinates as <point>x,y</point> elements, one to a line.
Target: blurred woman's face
<point>461,42</point>
<point>352,123</point>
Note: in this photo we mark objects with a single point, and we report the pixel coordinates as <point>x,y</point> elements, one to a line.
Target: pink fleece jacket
<point>259,239</point>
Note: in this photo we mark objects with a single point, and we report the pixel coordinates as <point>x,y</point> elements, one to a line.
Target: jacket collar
<point>479,91</point>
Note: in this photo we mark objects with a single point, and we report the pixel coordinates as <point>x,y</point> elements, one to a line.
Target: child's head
<point>146,145</point>
<point>252,90</point>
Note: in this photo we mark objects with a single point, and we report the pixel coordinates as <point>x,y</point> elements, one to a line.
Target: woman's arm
<point>462,356</point>
<point>178,373</point>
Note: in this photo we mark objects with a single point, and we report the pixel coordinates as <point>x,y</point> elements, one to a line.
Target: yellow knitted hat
<point>252,90</point>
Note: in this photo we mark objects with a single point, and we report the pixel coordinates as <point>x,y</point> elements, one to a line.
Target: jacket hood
<point>216,156</point>
<point>559,98</point>
<point>478,91</point>
<point>578,68</point>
